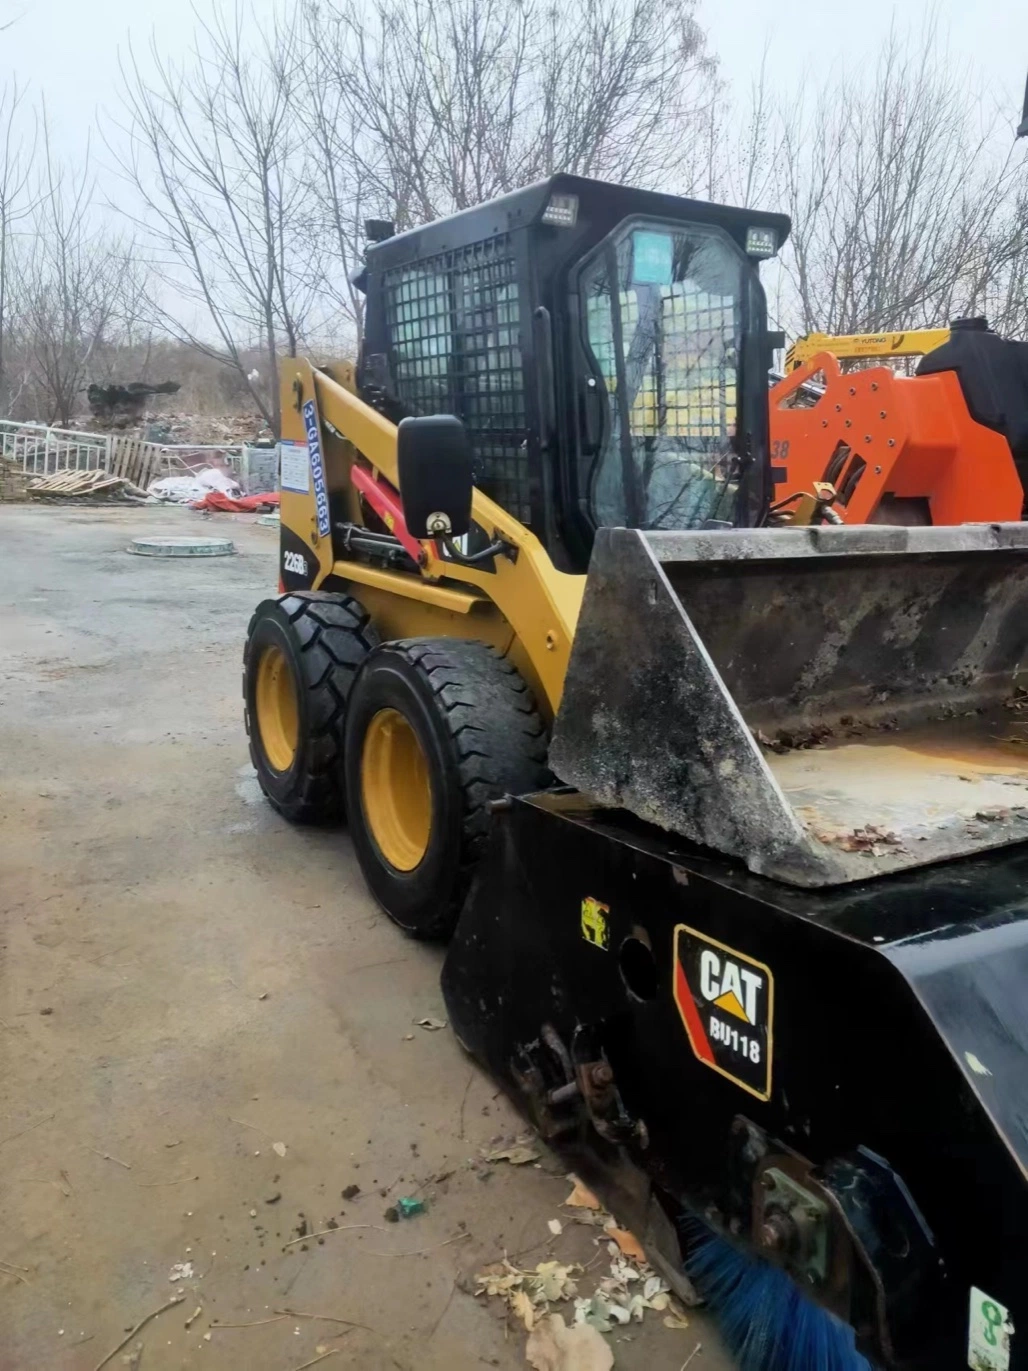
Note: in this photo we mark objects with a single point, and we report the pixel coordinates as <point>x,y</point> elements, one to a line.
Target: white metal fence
<point>41,450</point>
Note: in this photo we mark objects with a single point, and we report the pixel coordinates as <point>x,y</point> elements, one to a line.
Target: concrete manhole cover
<point>181,547</point>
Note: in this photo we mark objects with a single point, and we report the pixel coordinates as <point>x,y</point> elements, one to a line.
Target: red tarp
<point>246,504</point>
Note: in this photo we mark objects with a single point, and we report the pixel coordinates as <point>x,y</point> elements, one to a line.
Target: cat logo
<point>726,1000</point>
<point>729,985</point>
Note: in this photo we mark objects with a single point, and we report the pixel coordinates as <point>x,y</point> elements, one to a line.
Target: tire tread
<point>333,635</point>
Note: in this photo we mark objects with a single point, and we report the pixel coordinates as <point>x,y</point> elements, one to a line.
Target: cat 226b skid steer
<point>724,805</point>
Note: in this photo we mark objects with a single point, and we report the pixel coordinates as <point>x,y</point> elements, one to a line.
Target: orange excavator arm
<point>897,449</point>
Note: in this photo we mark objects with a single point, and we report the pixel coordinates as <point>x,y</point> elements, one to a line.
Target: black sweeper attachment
<point>805,1082</point>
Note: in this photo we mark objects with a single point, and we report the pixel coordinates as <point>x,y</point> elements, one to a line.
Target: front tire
<point>436,728</point>
<point>301,656</point>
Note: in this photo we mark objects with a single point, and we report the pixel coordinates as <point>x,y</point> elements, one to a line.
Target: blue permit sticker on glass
<point>652,258</point>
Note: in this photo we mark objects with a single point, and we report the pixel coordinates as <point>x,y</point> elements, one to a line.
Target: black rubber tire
<point>483,738</point>
<point>325,639</point>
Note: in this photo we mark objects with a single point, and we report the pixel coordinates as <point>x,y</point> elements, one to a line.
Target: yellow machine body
<point>525,608</point>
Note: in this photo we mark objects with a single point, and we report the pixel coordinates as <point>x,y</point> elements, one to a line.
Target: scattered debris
<point>581,1196</point>
<point>31,1127</point>
<point>528,1292</point>
<point>677,1319</point>
<point>196,486</point>
<point>330,1353</point>
<point>132,1333</point>
<point>350,1191</point>
<point>244,1124</point>
<point>556,1227</point>
<point>274,1199</point>
<point>279,1149</point>
<point>322,1318</point>
<point>133,1358</point>
<point>432,1025</point>
<point>518,1154</point>
<point>407,1206</point>
<point>786,741</point>
<point>181,1271</point>
<point>619,1299</point>
<point>46,1010</point>
<point>258,1323</point>
<point>552,1346</point>
<point>194,1316</point>
<point>214,502</point>
<point>95,483</point>
<point>108,1158</point>
<point>870,839</point>
<point>627,1242</point>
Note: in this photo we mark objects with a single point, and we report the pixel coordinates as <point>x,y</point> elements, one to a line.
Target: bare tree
<point>338,194</point>
<point>449,102</point>
<point>224,173</point>
<point>895,192</point>
<point>17,202</point>
<point>70,279</point>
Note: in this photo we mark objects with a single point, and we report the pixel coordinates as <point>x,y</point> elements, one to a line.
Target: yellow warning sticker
<point>594,923</point>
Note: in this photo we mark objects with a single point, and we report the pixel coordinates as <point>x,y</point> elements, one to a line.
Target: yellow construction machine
<point>914,342</point>
<point>727,820</point>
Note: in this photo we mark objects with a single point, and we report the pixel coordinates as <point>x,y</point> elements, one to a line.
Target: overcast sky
<point>990,35</point>
<point>68,49</point>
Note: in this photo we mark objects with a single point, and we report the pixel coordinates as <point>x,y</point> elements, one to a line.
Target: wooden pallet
<point>72,483</point>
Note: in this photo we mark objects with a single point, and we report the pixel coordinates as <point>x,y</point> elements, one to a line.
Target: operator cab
<point>606,349</point>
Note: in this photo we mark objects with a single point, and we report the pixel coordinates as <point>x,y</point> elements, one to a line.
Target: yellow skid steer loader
<point>727,821</point>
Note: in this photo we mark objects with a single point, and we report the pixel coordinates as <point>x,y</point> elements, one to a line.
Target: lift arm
<point>539,602</point>
<point>911,343</point>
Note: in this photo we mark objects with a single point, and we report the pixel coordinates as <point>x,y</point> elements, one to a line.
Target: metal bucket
<point>826,704</point>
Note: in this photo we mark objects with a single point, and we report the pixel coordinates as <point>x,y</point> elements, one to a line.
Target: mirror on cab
<point>435,468</point>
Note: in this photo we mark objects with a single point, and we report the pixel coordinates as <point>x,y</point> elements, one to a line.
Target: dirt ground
<point>187,984</point>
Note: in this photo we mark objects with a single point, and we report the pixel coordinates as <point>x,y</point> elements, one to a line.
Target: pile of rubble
<point>206,429</point>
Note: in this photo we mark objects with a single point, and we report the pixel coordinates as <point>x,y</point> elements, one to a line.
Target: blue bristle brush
<point>766,1321</point>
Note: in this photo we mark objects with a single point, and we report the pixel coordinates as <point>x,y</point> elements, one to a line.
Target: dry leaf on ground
<point>581,1196</point>
<point>629,1244</point>
<point>522,1307</point>
<point>499,1280</point>
<point>554,1347</point>
<point>552,1281</point>
<point>518,1155</point>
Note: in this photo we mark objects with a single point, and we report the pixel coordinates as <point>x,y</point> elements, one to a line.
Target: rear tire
<point>436,729</point>
<point>301,656</point>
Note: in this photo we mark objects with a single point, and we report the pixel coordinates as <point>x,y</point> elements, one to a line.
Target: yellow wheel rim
<point>278,718</point>
<point>395,789</point>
